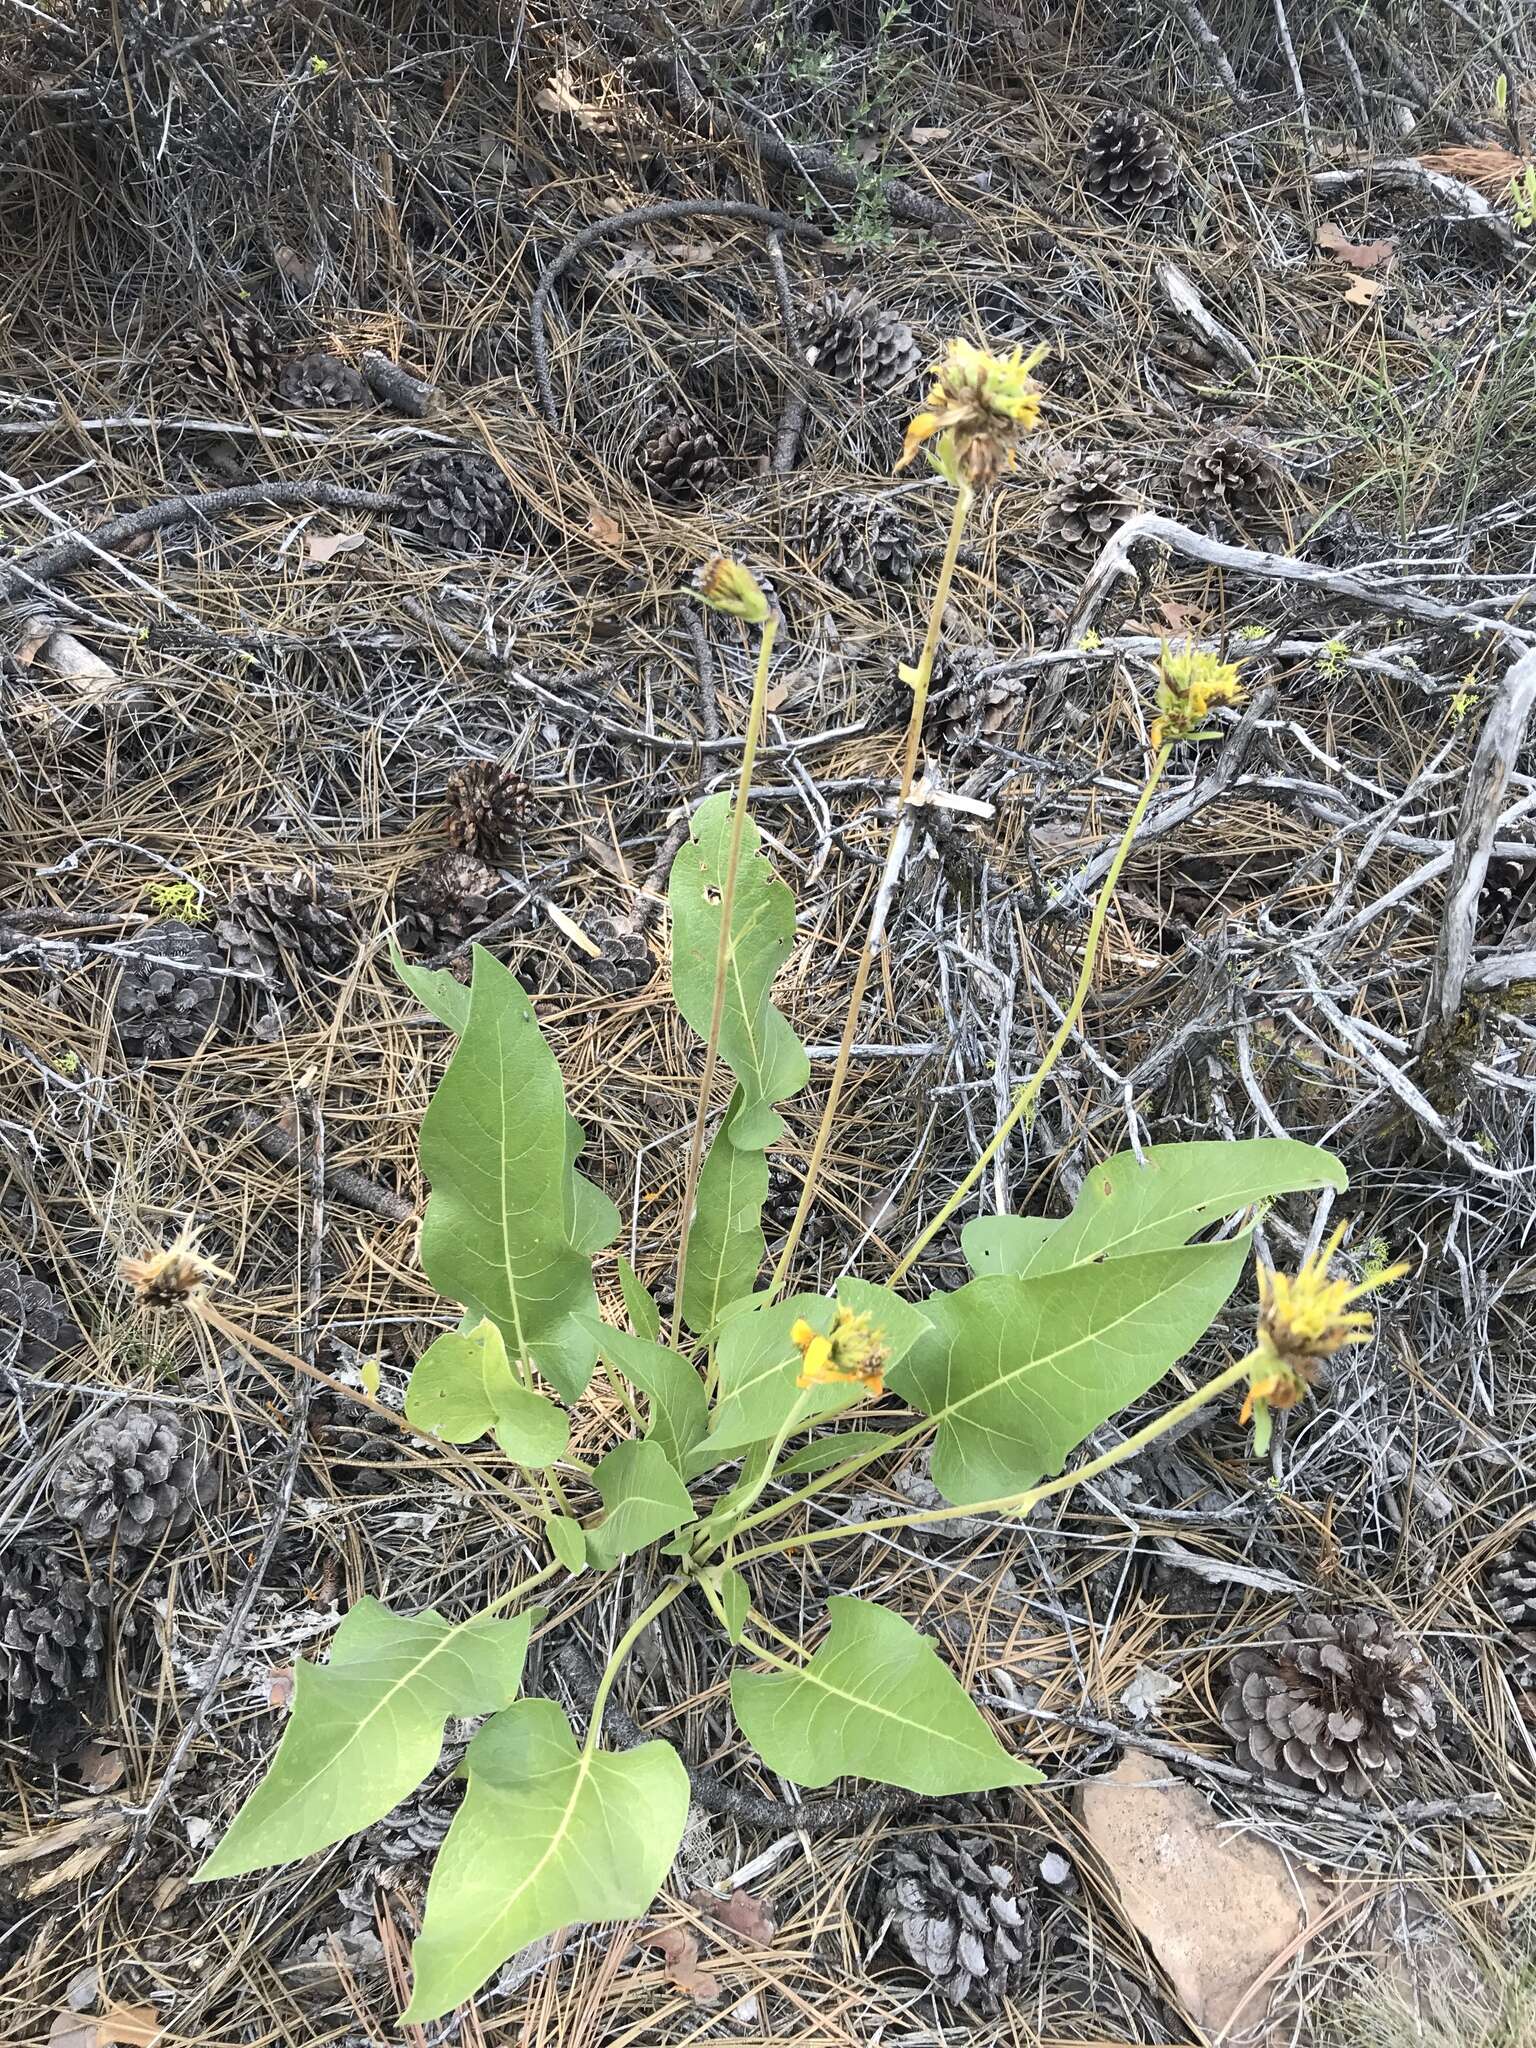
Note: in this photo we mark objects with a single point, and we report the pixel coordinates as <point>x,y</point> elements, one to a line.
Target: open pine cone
<point>1128,161</point>
<point>129,1478</point>
<point>679,457</point>
<point>53,1627</point>
<point>172,992</point>
<point>442,902</point>
<point>303,919</point>
<point>624,966</point>
<point>1511,1581</point>
<point>1233,476</point>
<point>862,345</point>
<point>1086,505</point>
<point>858,543</point>
<point>487,808</point>
<point>958,1911</point>
<point>964,704</point>
<point>230,353</point>
<point>35,1326</point>
<point>321,382</point>
<point>459,502</point>
<point>1333,1707</point>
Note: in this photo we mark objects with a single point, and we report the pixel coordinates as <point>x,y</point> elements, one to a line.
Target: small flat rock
<point>1216,1907</point>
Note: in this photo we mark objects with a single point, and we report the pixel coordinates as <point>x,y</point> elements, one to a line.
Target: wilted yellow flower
<point>728,586</point>
<point>1303,1320</point>
<point>1189,684</point>
<point>854,1350</point>
<point>980,407</point>
<point>169,1278</point>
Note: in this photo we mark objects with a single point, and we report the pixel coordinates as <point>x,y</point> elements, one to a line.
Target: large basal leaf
<point>756,1041</point>
<point>367,1727</point>
<point>546,1838</point>
<point>673,1387</point>
<point>875,1701</point>
<point>1128,1205</point>
<point>1018,1372</point>
<point>758,1365</point>
<point>1005,1244</point>
<point>495,1146</point>
<point>644,1498</point>
<point>725,1244</point>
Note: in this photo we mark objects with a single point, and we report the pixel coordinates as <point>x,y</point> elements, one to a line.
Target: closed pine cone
<point>1087,504</point>
<point>624,965</point>
<point>1333,1707</point>
<point>129,1478</point>
<point>680,457</point>
<point>443,901</point>
<point>858,543</point>
<point>862,345</point>
<point>171,993</point>
<point>321,382</point>
<point>459,502</point>
<point>1128,161</point>
<point>35,1326</point>
<point>959,1913</point>
<point>1230,474</point>
<point>487,807</point>
<point>1511,1581</point>
<point>53,1627</point>
<point>302,921</point>
<point>231,352</point>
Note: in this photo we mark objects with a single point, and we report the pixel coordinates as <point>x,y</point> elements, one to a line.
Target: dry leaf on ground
<point>1333,241</point>
<point>680,1959</point>
<point>741,1912</point>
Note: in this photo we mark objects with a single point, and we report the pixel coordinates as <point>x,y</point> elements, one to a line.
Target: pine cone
<point>862,345</point>
<point>1089,502</point>
<point>459,502</point>
<point>232,352</point>
<point>823,1231</point>
<point>487,808</point>
<point>129,1478</point>
<point>680,458</point>
<point>858,542</point>
<point>172,992</point>
<point>1503,896</point>
<point>1128,161</point>
<point>1511,1581</point>
<point>321,382</point>
<point>35,1326</point>
<point>415,1831</point>
<point>624,966</point>
<point>1333,1708</point>
<point>441,903</point>
<point>965,706</point>
<point>53,1627</point>
<point>1232,475</point>
<point>958,1911</point>
<point>279,927</point>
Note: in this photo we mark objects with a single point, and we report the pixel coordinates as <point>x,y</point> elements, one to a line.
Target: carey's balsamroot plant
<point>755,1397</point>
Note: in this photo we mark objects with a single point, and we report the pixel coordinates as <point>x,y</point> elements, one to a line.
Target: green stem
<point>835,1476</point>
<point>1026,1097</point>
<point>924,672</point>
<point>621,1650</point>
<point>723,954</point>
<point>1021,1503</point>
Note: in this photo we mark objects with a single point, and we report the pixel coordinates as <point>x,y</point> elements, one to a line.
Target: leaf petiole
<point>621,1650</point>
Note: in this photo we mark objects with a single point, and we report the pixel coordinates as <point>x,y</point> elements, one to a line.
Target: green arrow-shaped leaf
<point>437,991</point>
<point>495,1146</point>
<point>1017,1372</point>
<point>640,1303</point>
<point>546,1837</point>
<point>675,1390</point>
<point>756,1041</point>
<point>1128,1205</point>
<point>644,1497</point>
<point>1005,1244</point>
<point>368,1726</point>
<point>875,1701</point>
<point>725,1242</point>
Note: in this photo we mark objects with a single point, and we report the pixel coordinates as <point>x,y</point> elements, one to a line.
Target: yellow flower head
<point>728,586</point>
<point>980,406</point>
<point>1303,1320</point>
<point>854,1350</point>
<point>1189,684</point>
<point>171,1277</point>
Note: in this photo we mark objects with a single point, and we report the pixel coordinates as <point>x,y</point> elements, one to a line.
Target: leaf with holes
<point>756,1040</point>
<point>367,1727</point>
<point>1004,1244</point>
<point>547,1837</point>
<point>875,1701</point>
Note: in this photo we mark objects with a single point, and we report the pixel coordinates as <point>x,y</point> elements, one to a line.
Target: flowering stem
<point>1027,1095</point>
<point>924,673</point>
<point>1021,1503</point>
<point>723,954</point>
<point>621,1650</point>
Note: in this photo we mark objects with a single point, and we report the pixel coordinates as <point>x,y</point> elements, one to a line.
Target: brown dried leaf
<point>121,2026</point>
<point>1364,290</point>
<point>742,1912</point>
<point>100,1768</point>
<point>280,1688</point>
<point>604,528</point>
<point>680,1960</point>
<point>1333,241</point>
<point>320,547</point>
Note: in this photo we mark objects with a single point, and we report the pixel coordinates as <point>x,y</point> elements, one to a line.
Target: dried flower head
<point>1189,684</point>
<point>171,1277</point>
<point>1303,1320</point>
<point>853,1350</point>
<point>728,586</point>
<point>980,408</point>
